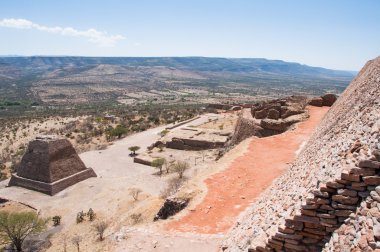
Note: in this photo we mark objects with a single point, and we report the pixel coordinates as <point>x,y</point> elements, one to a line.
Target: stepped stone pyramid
<point>50,165</point>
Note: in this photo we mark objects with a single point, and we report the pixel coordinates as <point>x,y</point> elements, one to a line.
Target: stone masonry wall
<point>330,207</point>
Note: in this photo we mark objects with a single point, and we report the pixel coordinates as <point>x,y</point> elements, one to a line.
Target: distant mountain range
<point>29,77</point>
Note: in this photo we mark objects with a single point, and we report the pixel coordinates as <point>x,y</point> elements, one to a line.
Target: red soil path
<point>232,190</point>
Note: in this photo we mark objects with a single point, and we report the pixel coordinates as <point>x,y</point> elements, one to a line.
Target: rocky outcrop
<point>329,99</point>
<point>171,207</point>
<point>325,100</point>
<point>49,165</point>
<point>316,101</point>
<point>329,162</point>
<point>279,108</point>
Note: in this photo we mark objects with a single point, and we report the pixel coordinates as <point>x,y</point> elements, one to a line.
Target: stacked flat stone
<point>331,206</point>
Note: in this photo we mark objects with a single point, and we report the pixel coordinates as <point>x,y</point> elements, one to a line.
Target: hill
<point>66,80</point>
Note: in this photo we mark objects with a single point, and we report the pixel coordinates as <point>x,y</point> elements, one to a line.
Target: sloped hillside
<point>348,133</point>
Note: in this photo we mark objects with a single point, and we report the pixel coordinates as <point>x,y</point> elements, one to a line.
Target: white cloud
<point>92,35</point>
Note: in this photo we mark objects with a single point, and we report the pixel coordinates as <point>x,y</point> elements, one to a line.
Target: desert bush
<point>161,147</point>
<point>80,217</point>
<point>91,214</point>
<point>168,165</point>
<point>16,227</point>
<point>56,220</point>
<point>180,167</point>
<point>134,192</point>
<point>100,228</point>
<point>172,187</point>
<point>76,240</point>
<point>164,133</point>
<point>136,218</point>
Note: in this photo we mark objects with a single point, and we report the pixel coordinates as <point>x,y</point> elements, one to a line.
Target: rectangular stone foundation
<point>51,188</point>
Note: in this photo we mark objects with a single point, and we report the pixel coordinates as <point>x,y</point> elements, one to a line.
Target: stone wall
<point>51,188</point>
<point>330,206</point>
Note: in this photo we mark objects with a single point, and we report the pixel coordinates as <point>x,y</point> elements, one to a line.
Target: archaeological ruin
<point>50,165</point>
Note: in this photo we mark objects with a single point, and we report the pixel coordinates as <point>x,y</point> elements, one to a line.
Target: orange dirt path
<point>232,190</point>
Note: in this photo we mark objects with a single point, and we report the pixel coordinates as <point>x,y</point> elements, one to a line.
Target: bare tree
<point>100,228</point>
<point>76,240</point>
<point>134,192</point>
<point>180,167</point>
<point>203,153</point>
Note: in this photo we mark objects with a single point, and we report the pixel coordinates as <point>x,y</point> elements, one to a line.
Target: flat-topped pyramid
<point>50,165</point>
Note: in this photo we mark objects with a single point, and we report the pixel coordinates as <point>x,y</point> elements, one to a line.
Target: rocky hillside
<point>67,80</point>
<point>348,133</point>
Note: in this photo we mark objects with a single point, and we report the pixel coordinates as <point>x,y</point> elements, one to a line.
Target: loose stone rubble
<point>322,193</point>
<point>171,207</point>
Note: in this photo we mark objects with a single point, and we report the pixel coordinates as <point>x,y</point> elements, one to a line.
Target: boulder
<point>329,99</point>
<point>316,101</point>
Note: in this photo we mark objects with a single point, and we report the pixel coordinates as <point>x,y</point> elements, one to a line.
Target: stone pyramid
<point>50,165</point>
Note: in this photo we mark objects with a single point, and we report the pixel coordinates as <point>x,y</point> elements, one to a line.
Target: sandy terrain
<point>215,186</point>
<point>233,189</point>
<point>108,194</point>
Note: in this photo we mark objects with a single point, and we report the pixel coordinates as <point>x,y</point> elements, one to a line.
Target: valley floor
<point>222,190</point>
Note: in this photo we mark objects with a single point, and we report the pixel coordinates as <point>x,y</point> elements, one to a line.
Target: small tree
<point>134,149</point>
<point>100,228</point>
<point>180,167</point>
<point>134,192</point>
<point>158,163</point>
<point>76,240</point>
<point>15,227</point>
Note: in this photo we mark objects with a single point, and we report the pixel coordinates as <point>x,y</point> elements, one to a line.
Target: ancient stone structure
<point>327,199</point>
<point>269,118</point>
<point>331,206</point>
<point>50,165</point>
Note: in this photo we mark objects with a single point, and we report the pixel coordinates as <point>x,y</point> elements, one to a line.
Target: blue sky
<point>340,34</point>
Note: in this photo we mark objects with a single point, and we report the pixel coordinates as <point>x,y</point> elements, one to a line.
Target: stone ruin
<point>50,165</point>
<point>329,197</point>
